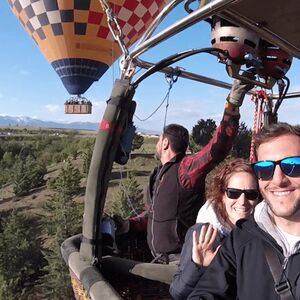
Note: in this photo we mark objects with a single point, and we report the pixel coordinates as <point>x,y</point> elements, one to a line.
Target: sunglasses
<point>236,193</point>
<point>264,170</point>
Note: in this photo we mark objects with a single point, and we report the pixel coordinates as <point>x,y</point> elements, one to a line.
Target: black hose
<point>279,101</point>
<point>175,58</point>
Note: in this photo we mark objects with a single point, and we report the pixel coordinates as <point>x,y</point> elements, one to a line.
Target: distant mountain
<point>24,121</point>
<point>30,122</point>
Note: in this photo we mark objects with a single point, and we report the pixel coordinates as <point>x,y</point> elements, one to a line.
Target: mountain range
<point>23,121</point>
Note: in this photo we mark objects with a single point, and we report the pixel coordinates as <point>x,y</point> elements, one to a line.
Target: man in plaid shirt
<point>177,186</point>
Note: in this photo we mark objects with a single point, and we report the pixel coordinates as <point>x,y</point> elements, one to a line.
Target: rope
<point>124,188</point>
<point>171,79</point>
<point>114,26</point>
<point>166,98</point>
<point>252,153</point>
<point>259,98</point>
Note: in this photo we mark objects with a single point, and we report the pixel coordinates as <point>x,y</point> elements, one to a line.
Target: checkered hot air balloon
<point>74,35</point>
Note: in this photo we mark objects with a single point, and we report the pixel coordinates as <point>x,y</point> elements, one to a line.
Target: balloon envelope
<point>74,35</point>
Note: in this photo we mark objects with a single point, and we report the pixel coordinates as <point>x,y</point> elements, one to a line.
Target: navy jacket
<point>240,269</point>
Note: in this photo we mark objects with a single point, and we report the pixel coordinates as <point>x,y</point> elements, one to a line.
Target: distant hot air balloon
<point>74,35</point>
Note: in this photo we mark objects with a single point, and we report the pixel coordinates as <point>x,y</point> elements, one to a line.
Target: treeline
<point>203,132</point>
<point>24,159</point>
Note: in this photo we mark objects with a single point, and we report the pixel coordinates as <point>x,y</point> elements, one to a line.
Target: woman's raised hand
<point>203,245</point>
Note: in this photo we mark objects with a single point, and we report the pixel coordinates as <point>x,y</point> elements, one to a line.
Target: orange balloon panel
<point>74,35</point>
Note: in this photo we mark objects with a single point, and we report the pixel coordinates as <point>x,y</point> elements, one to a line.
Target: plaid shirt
<point>194,168</point>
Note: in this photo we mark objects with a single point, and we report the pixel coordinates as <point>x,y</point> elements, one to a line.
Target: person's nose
<point>242,199</point>
<point>279,177</point>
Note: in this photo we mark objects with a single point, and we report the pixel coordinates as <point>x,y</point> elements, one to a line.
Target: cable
<point>159,106</point>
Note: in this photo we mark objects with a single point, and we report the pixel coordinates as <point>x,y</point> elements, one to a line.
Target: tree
<point>27,174</point>
<point>242,142</point>
<point>14,147</point>
<point>8,160</point>
<point>203,131</point>
<point>194,148</point>
<point>64,219</point>
<point>128,200</point>
<point>138,141</point>
<point>1,152</point>
<point>20,256</point>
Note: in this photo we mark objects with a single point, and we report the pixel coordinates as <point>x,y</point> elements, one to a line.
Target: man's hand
<point>239,89</point>
<point>203,245</point>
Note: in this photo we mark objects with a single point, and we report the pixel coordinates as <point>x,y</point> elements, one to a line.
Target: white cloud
<point>19,70</point>
<point>52,108</point>
<point>23,72</point>
<point>97,104</point>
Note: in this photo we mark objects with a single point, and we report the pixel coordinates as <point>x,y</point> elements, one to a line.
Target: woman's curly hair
<point>219,184</point>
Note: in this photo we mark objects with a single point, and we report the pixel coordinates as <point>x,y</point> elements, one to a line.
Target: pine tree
<point>203,131</point>
<point>87,158</point>
<point>20,256</point>
<point>128,200</point>
<point>64,219</point>
<point>27,174</point>
<point>242,142</point>
<point>138,141</point>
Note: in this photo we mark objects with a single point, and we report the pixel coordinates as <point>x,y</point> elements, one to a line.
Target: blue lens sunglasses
<point>264,169</point>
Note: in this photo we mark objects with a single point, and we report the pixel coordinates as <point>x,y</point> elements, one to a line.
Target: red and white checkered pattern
<point>133,17</point>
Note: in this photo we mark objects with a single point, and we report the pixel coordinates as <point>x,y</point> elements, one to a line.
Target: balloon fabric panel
<point>74,36</point>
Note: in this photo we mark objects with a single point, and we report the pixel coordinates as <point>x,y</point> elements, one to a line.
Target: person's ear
<point>165,143</point>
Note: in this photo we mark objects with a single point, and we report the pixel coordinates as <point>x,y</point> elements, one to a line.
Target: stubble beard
<point>291,213</point>
<point>157,155</point>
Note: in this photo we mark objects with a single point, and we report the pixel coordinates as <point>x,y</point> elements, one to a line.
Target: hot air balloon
<point>75,38</point>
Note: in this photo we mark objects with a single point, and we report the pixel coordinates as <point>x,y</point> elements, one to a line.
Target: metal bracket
<point>233,70</point>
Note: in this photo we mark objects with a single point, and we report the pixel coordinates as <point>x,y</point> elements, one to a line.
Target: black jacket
<point>240,270</point>
<point>172,208</point>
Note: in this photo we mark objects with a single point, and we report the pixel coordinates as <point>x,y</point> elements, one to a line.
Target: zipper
<point>157,184</point>
<point>285,262</point>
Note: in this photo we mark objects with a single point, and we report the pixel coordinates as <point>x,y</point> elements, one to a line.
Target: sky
<point>29,86</point>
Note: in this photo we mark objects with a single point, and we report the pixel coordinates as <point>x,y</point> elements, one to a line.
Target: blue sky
<point>30,87</point>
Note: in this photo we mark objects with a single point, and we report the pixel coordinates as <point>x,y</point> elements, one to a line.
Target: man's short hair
<point>178,137</point>
<point>274,131</point>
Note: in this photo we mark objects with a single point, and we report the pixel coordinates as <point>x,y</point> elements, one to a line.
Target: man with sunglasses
<point>177,186</point>
<point>261,257</point>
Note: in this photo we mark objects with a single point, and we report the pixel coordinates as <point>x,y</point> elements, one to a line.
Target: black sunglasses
<point>290,166</point>
<point>236,193</point>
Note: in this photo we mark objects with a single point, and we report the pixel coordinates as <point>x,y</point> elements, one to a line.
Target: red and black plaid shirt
<point>194,168</point>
